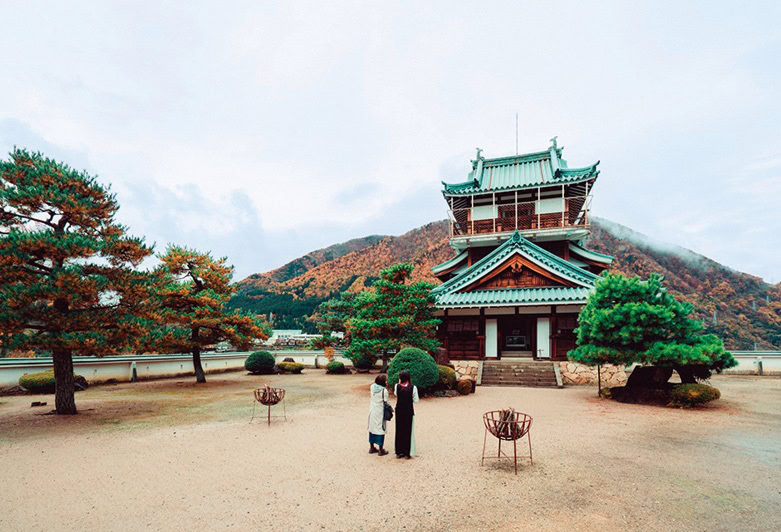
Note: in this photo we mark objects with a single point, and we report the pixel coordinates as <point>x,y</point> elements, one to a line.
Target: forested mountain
<point>740,308</point>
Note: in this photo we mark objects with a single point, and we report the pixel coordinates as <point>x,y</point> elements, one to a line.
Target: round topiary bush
<point>43,382</point>
<point>290,367</point>
<point>289,359</point>
<point>335,368</point>
<point>260,362</point>
<point>691,395</point>
<point>421,366</point>
<point>447,378</point>
<point>464,386</point>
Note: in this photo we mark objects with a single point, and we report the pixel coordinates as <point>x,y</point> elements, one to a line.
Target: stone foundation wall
<point>574,373</point>
<point>466,368</point>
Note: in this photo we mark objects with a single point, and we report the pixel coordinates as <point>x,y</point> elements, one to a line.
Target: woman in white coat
<point>378,396</point>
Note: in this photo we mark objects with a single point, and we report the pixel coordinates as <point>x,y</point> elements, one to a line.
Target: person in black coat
<point>406,395</point>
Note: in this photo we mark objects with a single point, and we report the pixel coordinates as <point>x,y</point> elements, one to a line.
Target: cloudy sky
<point>263,130</point>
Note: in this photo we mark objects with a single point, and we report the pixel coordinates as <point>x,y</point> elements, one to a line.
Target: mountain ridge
<point>739,307</point>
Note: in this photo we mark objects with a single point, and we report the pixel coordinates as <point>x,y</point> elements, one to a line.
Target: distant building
<point>290,338</point>
<point>520,275</point>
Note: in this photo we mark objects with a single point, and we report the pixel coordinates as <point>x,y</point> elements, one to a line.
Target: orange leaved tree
<point>192,311</point>
<point>68,278</point>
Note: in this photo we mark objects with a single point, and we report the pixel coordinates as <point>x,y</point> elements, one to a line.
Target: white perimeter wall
<point>149,366</point>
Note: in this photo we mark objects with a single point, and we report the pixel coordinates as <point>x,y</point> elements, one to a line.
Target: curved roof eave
<point>561,181</point>
<point>450,262</point>
<point>590,254</point>
<point>535,254</point>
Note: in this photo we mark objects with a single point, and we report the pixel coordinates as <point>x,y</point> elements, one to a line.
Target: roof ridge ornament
<point>479,154</point>
<point>516,236</point>
<point>554,143</point>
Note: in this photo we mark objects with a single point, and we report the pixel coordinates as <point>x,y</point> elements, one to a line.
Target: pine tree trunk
<point>687,374</point>
<point>200,376</point>
<point>64,394</point>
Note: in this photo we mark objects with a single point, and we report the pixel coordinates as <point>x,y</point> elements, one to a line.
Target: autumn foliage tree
<point>192,313</point>
<point>68,278</point>
<point>628,320</point>
<point>394,315</point>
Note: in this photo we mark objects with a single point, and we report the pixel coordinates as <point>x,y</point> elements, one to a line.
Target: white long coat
<point>377,409</point>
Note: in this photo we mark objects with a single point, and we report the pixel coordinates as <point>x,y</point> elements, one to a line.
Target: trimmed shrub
<point>289,359</point>
<point>363,364</point>
<point>691,395</point>
<point>260,362</point>
<point>335,368</point>
<point>421,366</point>
<point>290,367</point>
<point>464,386</point>
<point>447,378</point>
<point>43,382</point>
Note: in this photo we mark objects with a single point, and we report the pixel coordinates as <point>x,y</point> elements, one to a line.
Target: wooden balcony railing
<point>522,216</point>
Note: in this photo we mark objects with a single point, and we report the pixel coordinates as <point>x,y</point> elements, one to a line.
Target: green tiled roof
<point>450,263</point>
<point>515,296</point>
<point>542,168</point>
<point>590,253</point>
<point>448,294</point>
<point>533,252</point>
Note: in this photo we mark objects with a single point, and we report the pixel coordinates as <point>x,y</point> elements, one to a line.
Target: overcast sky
<point>264,130</point>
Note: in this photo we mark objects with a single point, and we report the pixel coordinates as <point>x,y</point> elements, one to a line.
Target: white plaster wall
<point>748,364</point>
<point>551,205</point>
<point>97,370</point>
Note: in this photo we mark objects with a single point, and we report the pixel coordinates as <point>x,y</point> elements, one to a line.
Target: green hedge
<point>335,368</point>
<point>290,367</point>
<point>423,370</point>
<point>364,363</point>
<point>691,395</point>
<point>43,381</point>
<point>447,378</point>
<point>260,362</point>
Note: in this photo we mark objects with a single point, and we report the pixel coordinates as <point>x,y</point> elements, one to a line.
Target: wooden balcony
<point>563,213</point>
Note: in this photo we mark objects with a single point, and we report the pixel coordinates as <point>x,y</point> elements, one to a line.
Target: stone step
<point>525,373</point>
<point>518,377</point>
<point>519,374</point>
<point>516,370</point>
<point>545,384</point>
<point>551,378</point>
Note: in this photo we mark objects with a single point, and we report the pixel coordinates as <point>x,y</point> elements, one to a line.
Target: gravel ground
<point>171,455</point>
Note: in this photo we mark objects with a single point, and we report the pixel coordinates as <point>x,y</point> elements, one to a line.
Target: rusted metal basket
<point>507,425</point>
<point>269,397</point>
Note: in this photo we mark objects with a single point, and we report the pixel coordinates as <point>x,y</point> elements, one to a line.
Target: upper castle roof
<point>515,172</point>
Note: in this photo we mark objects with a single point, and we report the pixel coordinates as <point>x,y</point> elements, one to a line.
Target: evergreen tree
<point>394,315</point>
<point>195,289</point>
<point>331,317</point>
<point>68,278</point>
<point>628,321</point>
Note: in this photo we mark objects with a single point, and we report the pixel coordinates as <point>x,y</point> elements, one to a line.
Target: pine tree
<point>331,317</point>
<point>68,278</point>
<point>192,313</point>
<point>628,320</point>
<point>394,315</point>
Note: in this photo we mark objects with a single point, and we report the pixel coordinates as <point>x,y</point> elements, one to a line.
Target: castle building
<point>520,274</point>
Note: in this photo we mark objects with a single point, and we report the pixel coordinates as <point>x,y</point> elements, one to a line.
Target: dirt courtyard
<point>171,455</point>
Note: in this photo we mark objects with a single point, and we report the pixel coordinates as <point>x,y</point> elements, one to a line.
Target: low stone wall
<point>466,368</point>
<point>573,373</point>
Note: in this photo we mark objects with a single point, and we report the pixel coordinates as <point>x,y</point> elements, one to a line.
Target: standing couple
<point>406,394</point>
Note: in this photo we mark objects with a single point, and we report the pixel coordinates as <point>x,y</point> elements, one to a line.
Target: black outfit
<point>404,413</point>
